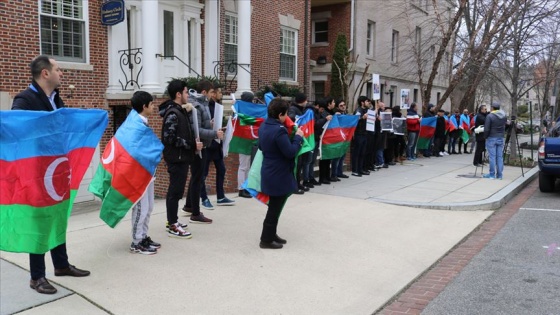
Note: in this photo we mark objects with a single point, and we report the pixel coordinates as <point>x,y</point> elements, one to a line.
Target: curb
<point>493,202</point>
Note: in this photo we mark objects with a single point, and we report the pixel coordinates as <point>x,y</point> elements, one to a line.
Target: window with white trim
<point>320,32</point>
<point>288,54</point>
<point>370,40</point>
<point>395,47</point>
<point>418,41</point>
<point>230,38</point>
<point>63,29</point>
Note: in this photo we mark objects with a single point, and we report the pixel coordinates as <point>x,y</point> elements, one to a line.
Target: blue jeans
<point>495,148</point>
<point>379,158</point>
<point>307,160</point>
<point>311,167</point>
<point>411,146</point>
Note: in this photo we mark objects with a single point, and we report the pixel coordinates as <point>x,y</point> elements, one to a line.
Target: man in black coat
<point>43,95</point>
<point>439,135</point>
<point>479,121</point>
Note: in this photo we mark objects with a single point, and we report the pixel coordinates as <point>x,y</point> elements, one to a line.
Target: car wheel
<point>546,182</point>
<point>537,128</point>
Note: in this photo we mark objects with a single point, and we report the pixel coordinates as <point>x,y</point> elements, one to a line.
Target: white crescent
<point>48,179</point>
<point>111,156</point>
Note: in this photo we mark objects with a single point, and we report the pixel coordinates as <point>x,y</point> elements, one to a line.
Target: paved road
<point>518,272</point>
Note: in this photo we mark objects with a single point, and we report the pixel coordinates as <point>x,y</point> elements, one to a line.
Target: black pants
<point>37,261</point>
<point>193,193</point>
<point>324,170</point>
<point>177,180</point>
<point>400,146</point>
<point>389,152</point>
<point>358,153</point>
<point>270,224</point>
<point>299,170</point>
<point>439,145</point>
<point>369,153</point>
<point>480,148</point>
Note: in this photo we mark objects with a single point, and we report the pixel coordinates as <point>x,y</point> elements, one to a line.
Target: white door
<point>170,45</point>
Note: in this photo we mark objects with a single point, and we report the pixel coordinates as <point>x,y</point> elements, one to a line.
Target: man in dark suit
<point>43,95</point>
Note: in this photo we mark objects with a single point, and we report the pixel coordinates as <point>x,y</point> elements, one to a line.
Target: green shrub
<point>278,89</point>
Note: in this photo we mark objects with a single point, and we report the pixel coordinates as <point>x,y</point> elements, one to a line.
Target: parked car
<point>549,159</point>
<point>526,125</point>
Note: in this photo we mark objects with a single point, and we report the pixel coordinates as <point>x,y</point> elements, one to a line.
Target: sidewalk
<point>347,252</point>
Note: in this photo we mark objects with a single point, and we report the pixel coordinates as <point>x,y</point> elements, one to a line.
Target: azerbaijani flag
<point>126,169</point>
<point>452,124</point>
<point>465,123</point>
<point>306,123</point>
<point>43,158</point>
<point>337,135</point>
<point>427,130</point>
<point>246,125</point>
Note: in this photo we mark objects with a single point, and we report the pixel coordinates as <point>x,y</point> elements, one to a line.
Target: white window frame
<point>418,41</point>
<point>227,31</point>
<point>313,32</point>
<point>67,62</point>
<point>395,46</point>
<point>370,39</point>
<point>295,53</point>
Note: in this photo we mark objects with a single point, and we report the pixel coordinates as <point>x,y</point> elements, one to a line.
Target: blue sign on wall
<point>112,12</point>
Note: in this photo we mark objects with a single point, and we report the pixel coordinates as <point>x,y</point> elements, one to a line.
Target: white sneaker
<point>441,154</point>
<point>445,153</point>
<point>175,230</point>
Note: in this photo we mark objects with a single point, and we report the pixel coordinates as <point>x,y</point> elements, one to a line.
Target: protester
<point>297,109</point>
<point>179,147</point>
<point>369,153</point>
<point>309,180</point>
<point>318,128</point>
<point>494,130</point>
<point>400,143</point>
<point>43,95</point>
<point>326,107</point>
<point>214,153</point>
<point>142,103</point>
<point>413,128</point>
<point>430,112</point>
<point>360,138</point>
<point>244,159</point>
<point>439,134</point>
<point>479,122</point>
<point>277,177</point>
<point>380,143</point>
<point>455,120</point>
<point>464,124</point>
<point>337,168</point>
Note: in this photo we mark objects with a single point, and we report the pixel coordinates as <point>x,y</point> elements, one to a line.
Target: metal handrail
<point>181,60</point>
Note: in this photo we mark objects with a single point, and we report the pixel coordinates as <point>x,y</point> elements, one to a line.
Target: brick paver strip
<point>414,298</point>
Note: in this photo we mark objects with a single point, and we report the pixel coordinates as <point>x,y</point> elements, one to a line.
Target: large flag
<point>43,158</point>
<point>337,136</point>
<point>127,166</point>
<point>249,116</point>
<point>306,123</point>
<point>466,123</point>
<point>427,130</point>
<point>452,124</point>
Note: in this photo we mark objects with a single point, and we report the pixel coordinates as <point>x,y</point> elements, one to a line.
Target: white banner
<point>405,98</point>
<point>370,122</point>
<point>376,87</point>
<point>218,118</point>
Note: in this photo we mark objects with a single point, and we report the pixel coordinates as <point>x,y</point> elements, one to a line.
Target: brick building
<point>245,43</point>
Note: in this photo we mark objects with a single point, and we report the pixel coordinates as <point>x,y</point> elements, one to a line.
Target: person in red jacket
<point>413,128</point>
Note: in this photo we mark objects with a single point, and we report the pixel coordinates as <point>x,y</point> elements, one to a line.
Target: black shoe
<point>308,185</point>
<point>459,152</point>
<point>357,174</point>
<point>325,181</point>
<point>315,182</point>
<point>335,179</point>
<point>42,286</point>
<point>342,176</point>
<point>385,166</point>
<point>299,191</point>
<point>302,187</point>
<point>71,271</point>
<point>279,240</point>
<point>392,163</point>
<point>365,173</point>
<point>245,194</point>
<point>271,245</point>
<point>148,241</point>
<point>467,152</point>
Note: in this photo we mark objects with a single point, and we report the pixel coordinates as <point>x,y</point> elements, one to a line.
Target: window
<point>370,40</point>
<point>415,95</point>
<point>418,41</point>
<point>320,32</point>
<point>395,47</point>
<point>319,89</point>
<point>63,29</point>
<point>230,40</point>
<point>168,45</point>
<point>288,51</point>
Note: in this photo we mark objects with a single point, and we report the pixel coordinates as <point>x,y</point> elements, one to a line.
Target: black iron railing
<point>226,72</point>
<point>130,58</point>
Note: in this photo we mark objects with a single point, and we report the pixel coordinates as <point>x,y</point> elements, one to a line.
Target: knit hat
<point>247,96</point>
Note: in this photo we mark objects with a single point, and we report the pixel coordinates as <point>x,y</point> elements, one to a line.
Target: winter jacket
<point>412,121</point>
<point>295,110</point>
<point>205,131</point>
<point>177,135</point>
<point>479,121</point>
<point>361,127</point>
<point>34,98</point>
<point>495,124</point>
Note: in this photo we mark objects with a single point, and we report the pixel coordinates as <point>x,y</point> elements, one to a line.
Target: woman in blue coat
<point>277,172</point>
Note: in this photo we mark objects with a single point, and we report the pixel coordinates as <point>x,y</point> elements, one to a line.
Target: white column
<point>244,45</point>
<point>186,39</point>
<point>117,41</point>
<point>212,36</point>
<point>198,49</point>
<point>150,46</point>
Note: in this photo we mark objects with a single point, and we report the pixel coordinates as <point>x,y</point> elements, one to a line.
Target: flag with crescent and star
<point>127,166</point>
<point>43,158</point>
<point>337,135</point>
<point>248,118</point>
<point>306,123</point>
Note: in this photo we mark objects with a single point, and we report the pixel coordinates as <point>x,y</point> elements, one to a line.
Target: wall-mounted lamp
<point>322,60</point>
<point>71,87</point>
<point>389,92</point>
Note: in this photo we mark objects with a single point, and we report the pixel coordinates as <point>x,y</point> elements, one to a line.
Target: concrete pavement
<point>347,252</point>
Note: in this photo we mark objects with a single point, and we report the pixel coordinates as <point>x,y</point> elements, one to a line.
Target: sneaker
<point>184,226</point>
<point>445,153</point>
<point>225,202</point>
<point>500,178</point>
<point>141,248</point>
<point>489,176</point>
<point>175,230</point>
<point>441,154</point>
<point>206,204</point>
<point>200,219</point>
<point>148,241</point>
<point>356,174</point>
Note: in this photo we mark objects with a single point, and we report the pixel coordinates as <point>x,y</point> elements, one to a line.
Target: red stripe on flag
<point>246,132</point>
<point>308,129</point>
<point>42,181</point>
<point>336,135</point>
<point>127,173</point>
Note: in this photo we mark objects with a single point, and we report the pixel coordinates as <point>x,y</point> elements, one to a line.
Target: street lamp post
<point>531,126</point>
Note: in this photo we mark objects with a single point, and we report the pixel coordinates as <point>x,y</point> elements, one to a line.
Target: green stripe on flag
<point>115,205</point>
<point>241,145</point>
<point>423,143</point>
<point>28,229</point>
<point>334,151</point>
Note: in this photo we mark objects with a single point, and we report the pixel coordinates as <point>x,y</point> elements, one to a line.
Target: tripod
<point>506,145</point>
